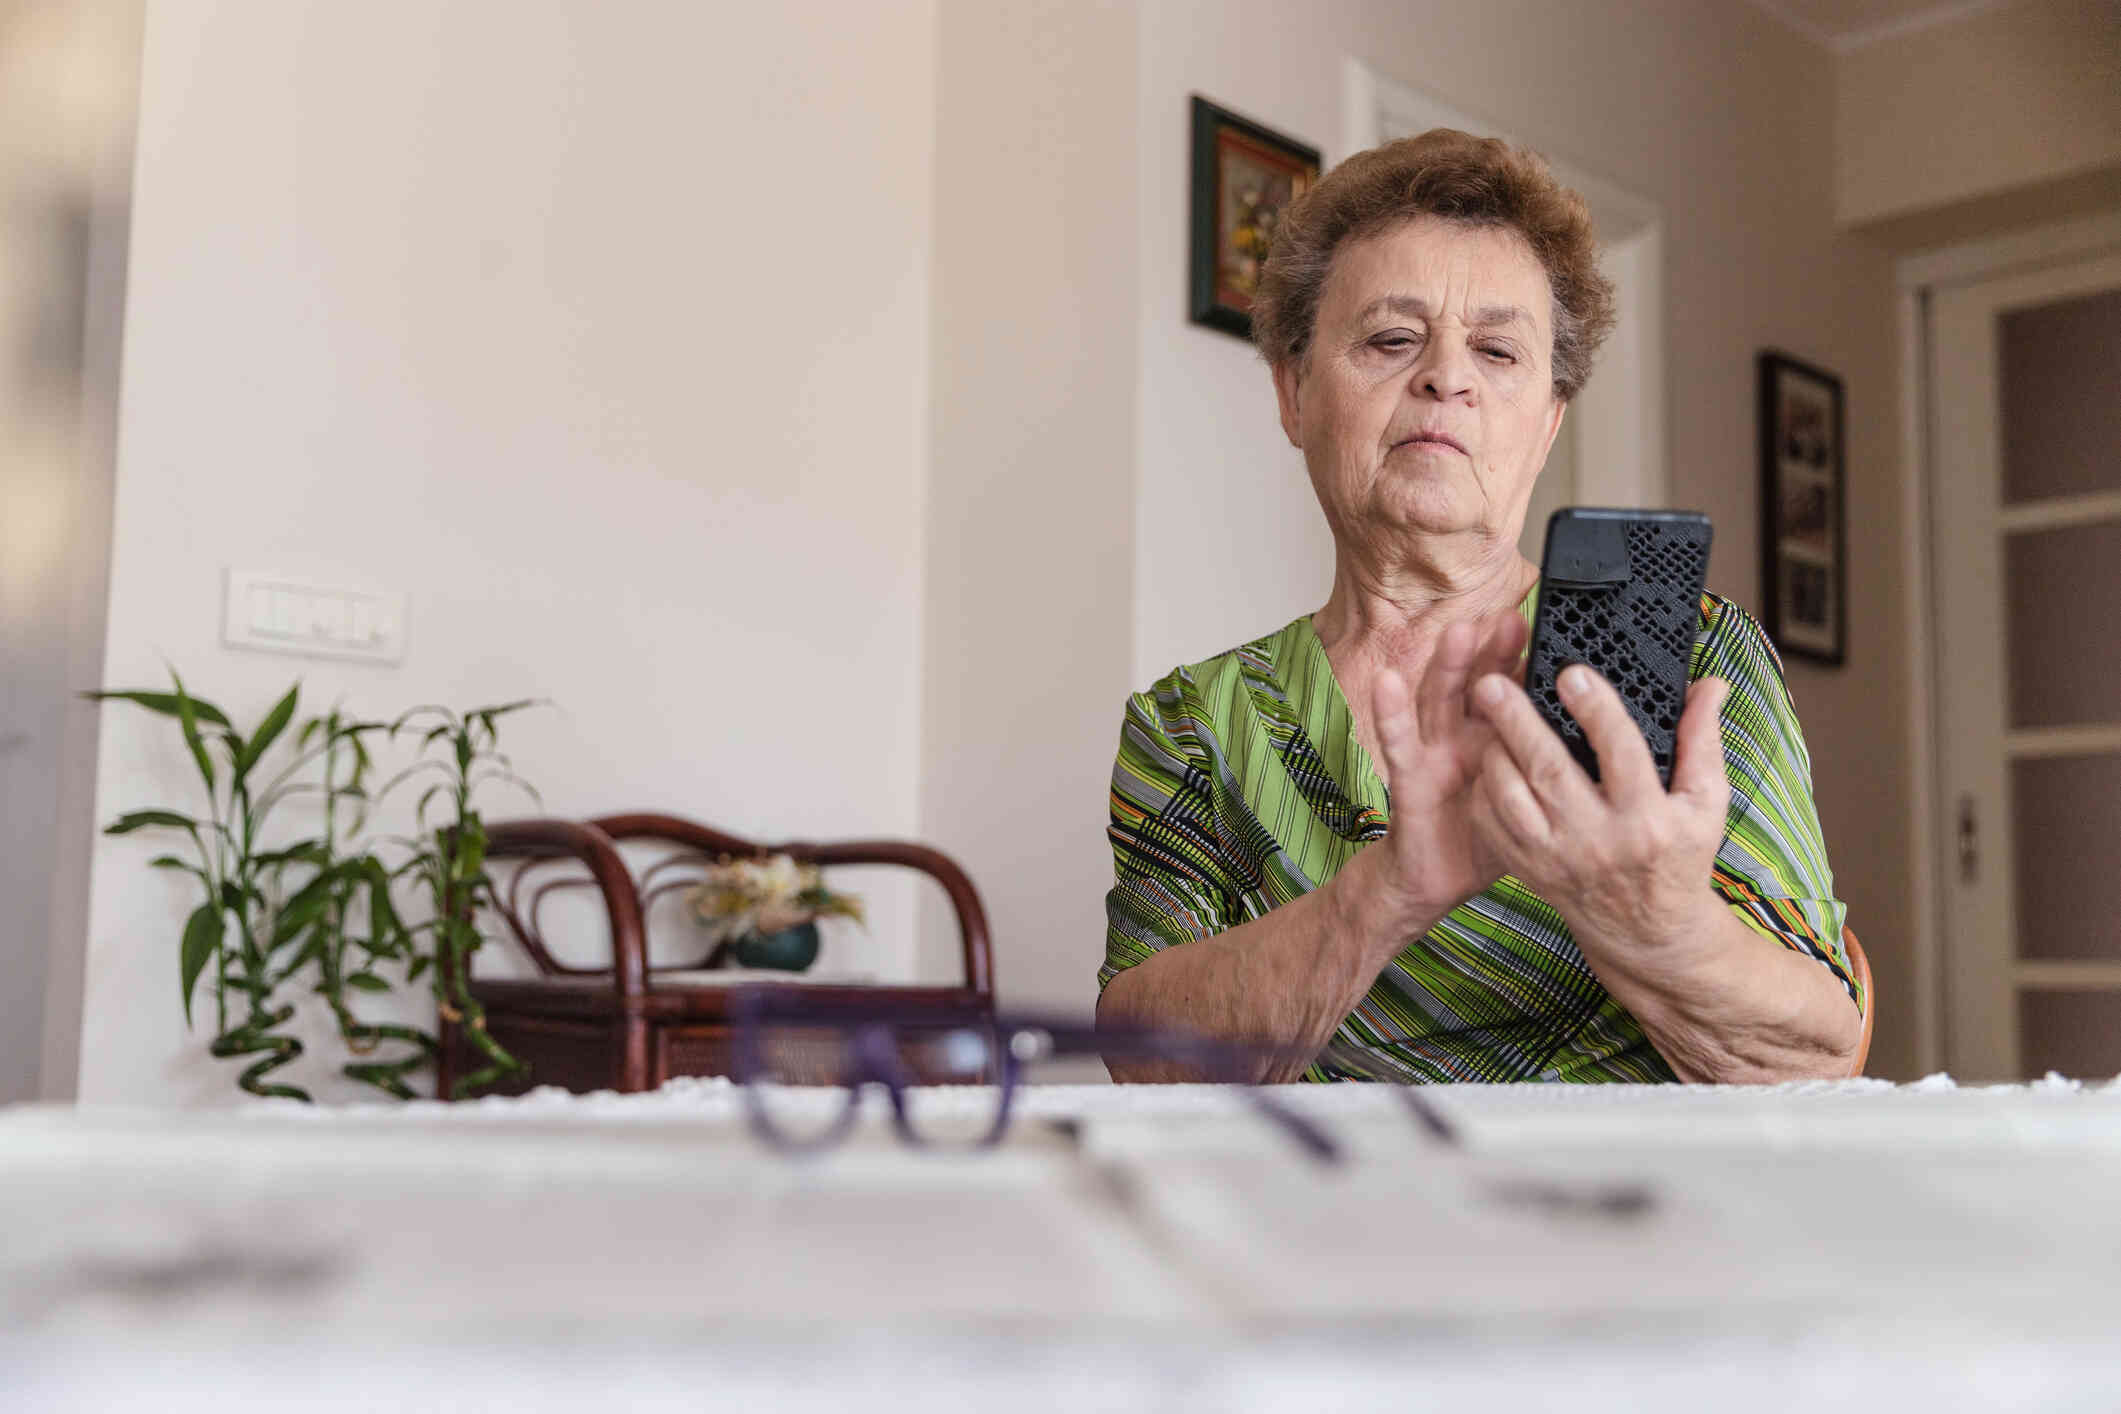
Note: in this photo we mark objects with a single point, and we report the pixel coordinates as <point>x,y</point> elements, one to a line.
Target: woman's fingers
<point>1697,768</point>
<point>1625,767</point>
<point>1443,687</point>
<point>1467,652</point>
<point>1398,734</point>
<point>1562,789</point>
<point>1507,800</point>
<point>1502,647</point>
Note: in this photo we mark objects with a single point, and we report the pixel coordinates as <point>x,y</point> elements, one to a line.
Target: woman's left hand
<point>1620,857</point>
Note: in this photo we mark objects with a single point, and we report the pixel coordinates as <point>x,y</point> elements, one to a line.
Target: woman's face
<point>1425,405</point>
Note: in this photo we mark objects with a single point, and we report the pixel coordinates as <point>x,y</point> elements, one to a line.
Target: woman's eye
<point>1393,343</point>
<point>1499,354</point>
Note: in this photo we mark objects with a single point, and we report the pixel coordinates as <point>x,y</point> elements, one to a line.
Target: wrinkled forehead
<point>1432,268</point>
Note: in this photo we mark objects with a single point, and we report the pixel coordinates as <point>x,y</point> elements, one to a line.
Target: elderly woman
<point>1354,840</point>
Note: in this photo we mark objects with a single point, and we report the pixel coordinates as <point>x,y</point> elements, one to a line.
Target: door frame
<point>1917,276</point>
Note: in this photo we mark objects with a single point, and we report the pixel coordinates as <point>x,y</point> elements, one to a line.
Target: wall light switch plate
<point>275,614</point>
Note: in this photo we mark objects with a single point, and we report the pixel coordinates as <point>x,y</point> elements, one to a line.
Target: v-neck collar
<point>1320,706</point>
<point>1321,709</point>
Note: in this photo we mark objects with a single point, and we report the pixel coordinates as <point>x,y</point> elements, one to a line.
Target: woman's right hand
<point>1431,859</point>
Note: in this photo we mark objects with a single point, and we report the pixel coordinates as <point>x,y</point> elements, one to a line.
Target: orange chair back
<point>1861,967</point>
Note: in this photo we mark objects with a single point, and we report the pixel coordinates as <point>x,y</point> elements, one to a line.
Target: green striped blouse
<point>1240,785</point>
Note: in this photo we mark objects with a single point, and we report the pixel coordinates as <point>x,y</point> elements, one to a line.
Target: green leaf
<point>382,916</point>
<point>425,764</point>
<point>419,965</point>
<point>170,861</point>
<point>202,939</point>
<point>187,715</point>
<point>405,718</point>
<point>309,729</point>
<point>471,850</point>
<point>275,722</point>
<point>301,910</point>
<point>303,955</point>
<point>294,853</point>
<point>367,982</point>
<point>489,713</point>
<point>141,819</point>
<point>163,702</point>
<point>510,778</point>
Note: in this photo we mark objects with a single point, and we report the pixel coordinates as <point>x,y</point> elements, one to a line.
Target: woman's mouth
<point>1433,439</point>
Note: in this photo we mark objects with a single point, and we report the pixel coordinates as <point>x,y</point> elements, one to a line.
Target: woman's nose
<point>1444,373</point>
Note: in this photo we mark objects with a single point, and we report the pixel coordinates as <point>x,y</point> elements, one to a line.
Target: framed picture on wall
<point>1804,535</point>
<point>1244,177</point>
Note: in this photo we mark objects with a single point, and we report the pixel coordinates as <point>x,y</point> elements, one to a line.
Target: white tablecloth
<point>1853,1245</point>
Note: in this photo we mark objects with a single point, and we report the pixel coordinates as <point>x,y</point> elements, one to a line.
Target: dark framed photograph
<point>1244,177</point>
<point>1803,533</point>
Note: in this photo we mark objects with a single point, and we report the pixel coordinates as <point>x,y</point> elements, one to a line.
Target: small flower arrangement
<point>738,899</point>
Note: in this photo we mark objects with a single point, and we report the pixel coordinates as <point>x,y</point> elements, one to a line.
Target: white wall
<point>599,329</point>
<point>1030,610</point>
<point>2005,98</point>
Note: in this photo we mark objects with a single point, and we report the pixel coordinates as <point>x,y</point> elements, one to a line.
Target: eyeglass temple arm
<point>1212,1057</point>
<point>1427,1115</point>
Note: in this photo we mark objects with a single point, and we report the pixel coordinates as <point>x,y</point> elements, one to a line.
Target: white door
<point>2025,437</point>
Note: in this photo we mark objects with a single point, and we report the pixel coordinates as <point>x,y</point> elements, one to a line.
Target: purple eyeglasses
<point>803,1061</point>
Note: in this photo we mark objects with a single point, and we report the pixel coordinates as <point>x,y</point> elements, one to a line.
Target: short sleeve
<point>1168,884</point>
<point>1772,868</point>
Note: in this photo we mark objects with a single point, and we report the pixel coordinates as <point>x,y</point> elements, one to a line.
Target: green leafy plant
<point>449,863</point>
<point>244,920</point>
<point>356,887</point>
<point>325,902</point>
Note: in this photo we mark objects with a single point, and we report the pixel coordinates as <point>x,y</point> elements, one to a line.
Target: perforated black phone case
<point>1621,591</point>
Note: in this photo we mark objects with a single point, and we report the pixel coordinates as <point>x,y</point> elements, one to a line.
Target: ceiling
<point>1849,24</point>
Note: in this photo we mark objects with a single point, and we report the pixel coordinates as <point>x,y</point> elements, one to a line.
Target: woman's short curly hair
<point>1454,175</point>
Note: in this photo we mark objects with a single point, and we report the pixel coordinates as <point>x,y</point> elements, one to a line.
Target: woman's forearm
<point>1724,1005</point>
<point>1284,981</point>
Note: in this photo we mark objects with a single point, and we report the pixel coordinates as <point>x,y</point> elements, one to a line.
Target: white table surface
<point>1839,1245</point>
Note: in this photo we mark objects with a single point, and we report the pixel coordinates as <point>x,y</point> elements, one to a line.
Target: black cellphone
<point>1620,590</point>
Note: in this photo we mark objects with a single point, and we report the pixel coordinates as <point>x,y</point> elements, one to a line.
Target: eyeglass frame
<point>1019,1038</point>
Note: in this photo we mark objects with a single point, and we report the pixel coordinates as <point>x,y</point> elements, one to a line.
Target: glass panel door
<point>2026,423</point>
